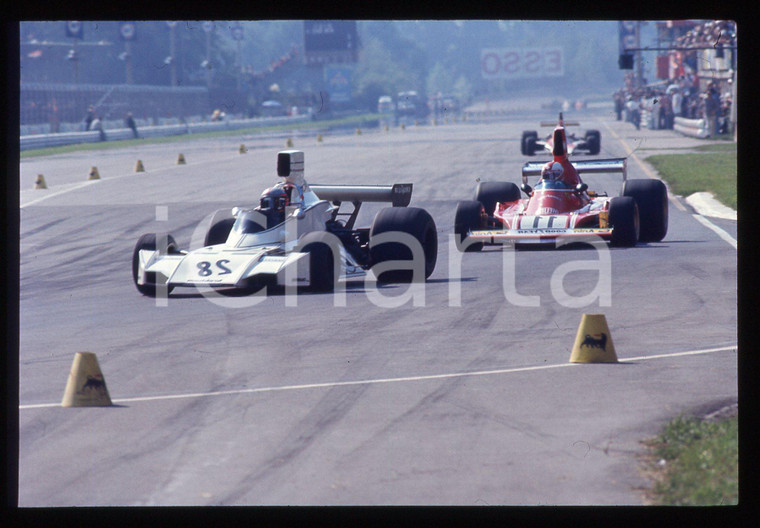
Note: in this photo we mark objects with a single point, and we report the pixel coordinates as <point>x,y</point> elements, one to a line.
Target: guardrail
<point>691,127</point>
<point>93,136</point>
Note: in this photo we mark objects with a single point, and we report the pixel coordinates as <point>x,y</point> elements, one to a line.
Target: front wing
<point>537,236</point>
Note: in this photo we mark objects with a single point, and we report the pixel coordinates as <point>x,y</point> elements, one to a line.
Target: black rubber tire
<point>594,141</point>
<point>530,146</point>
<point>411,220</point>
<point>624,219</point>
<point>220,227</point>
<point>148,241</point>
<point>652,200</point>
<point>525,135</point>
<point>469,216</point>
<point>321,260</point>
<point>489,193</point>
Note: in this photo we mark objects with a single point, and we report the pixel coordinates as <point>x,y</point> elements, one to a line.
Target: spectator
<point>619,104</point>
<point>675,103</point>
<point>712,107</point>
<point>89,118</point>
<point>97,124</point>
<point>666,112</point>
<point>129,122</point>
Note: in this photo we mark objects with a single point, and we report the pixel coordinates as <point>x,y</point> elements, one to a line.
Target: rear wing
<point>398,195</point>
<point>554,123</point>
<point>533,168</point>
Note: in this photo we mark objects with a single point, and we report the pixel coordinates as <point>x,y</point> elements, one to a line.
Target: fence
<point>55,105</point>
<point>53,140</point>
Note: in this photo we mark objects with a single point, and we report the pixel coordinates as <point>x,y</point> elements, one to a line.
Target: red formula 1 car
<point>590,143</point>
<point>560,206</point>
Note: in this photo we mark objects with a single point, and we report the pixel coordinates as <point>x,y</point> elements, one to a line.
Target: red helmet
<point>552,171</point>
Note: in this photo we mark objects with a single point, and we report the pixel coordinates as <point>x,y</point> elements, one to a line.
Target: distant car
<point>296,236</point>
<point>560,206</point>
<point>273,109</point>
<point>411,104</point>
<point>385,105</point>
<point>590,143</point>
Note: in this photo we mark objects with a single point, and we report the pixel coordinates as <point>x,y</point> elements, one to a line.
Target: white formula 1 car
<point>297,236</point>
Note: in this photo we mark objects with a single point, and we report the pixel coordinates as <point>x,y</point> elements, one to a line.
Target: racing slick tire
<point>594,141</point>
<point>322,272</point>
<point>413,221</point>
<point>652,200</point>
<point>220,227</point>
<point>469,215</point>
<point>624,219</point>
<point>489,193</point>
<point>530,146</point>
<point>148,241</point>
<point>525,135</point>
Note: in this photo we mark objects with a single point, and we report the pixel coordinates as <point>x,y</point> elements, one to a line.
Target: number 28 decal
<point>204,268</point>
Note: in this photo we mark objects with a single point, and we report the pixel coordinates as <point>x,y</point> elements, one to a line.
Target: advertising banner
<point>521,63</point>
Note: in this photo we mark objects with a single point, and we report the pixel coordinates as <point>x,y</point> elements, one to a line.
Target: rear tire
<point>148,241</point>
<point>652,200</point>
<point>469,216</point>
<point>411,220</point>
<point>525,135</point>
<point>624,219</point>
<point>491,193</point>
<point>594,141</point>
<point>322,274</point>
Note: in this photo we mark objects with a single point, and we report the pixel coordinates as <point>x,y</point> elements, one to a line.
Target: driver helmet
<point>272,204</point>
<point>552,171</point>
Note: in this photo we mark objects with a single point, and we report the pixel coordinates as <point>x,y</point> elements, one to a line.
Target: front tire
<point>652,200</point>
<point>491,193</point>
<point>322,272</point>
<point>624,219</point>
<point>470,216</point>
<point>219,230</point>
<point>413,221</point>
<point>148,242</point>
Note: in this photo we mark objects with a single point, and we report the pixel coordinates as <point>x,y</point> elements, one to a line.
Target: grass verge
<point>714,171</point>
<point>695,463</point>
<point>309,125</point>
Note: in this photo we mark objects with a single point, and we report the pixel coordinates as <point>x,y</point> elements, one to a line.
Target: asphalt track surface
<point>467,398</point>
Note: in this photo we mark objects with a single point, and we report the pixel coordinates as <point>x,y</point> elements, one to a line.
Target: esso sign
<point>520,63</point>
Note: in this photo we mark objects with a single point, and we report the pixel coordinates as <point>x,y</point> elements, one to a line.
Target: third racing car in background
<point>561,206</point>
<point>590,143</point>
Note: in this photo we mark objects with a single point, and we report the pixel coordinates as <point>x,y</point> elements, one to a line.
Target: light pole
<point>208,27</point>
<point>173,59</point>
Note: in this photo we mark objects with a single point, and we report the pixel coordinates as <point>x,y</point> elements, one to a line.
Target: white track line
<point>721,233</point>
<point>385,380</point>
<point>702,220</point>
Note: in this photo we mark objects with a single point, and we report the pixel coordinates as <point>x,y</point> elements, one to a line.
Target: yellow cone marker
<point>319,138</point>
<point>593,342</point>
<point>86,386</point>
<point>94,174</point>
<point>289,142</point>
<point>39,183</point>
<point>242,149</point>
<point>139,166</point>
<point>181,159</point>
